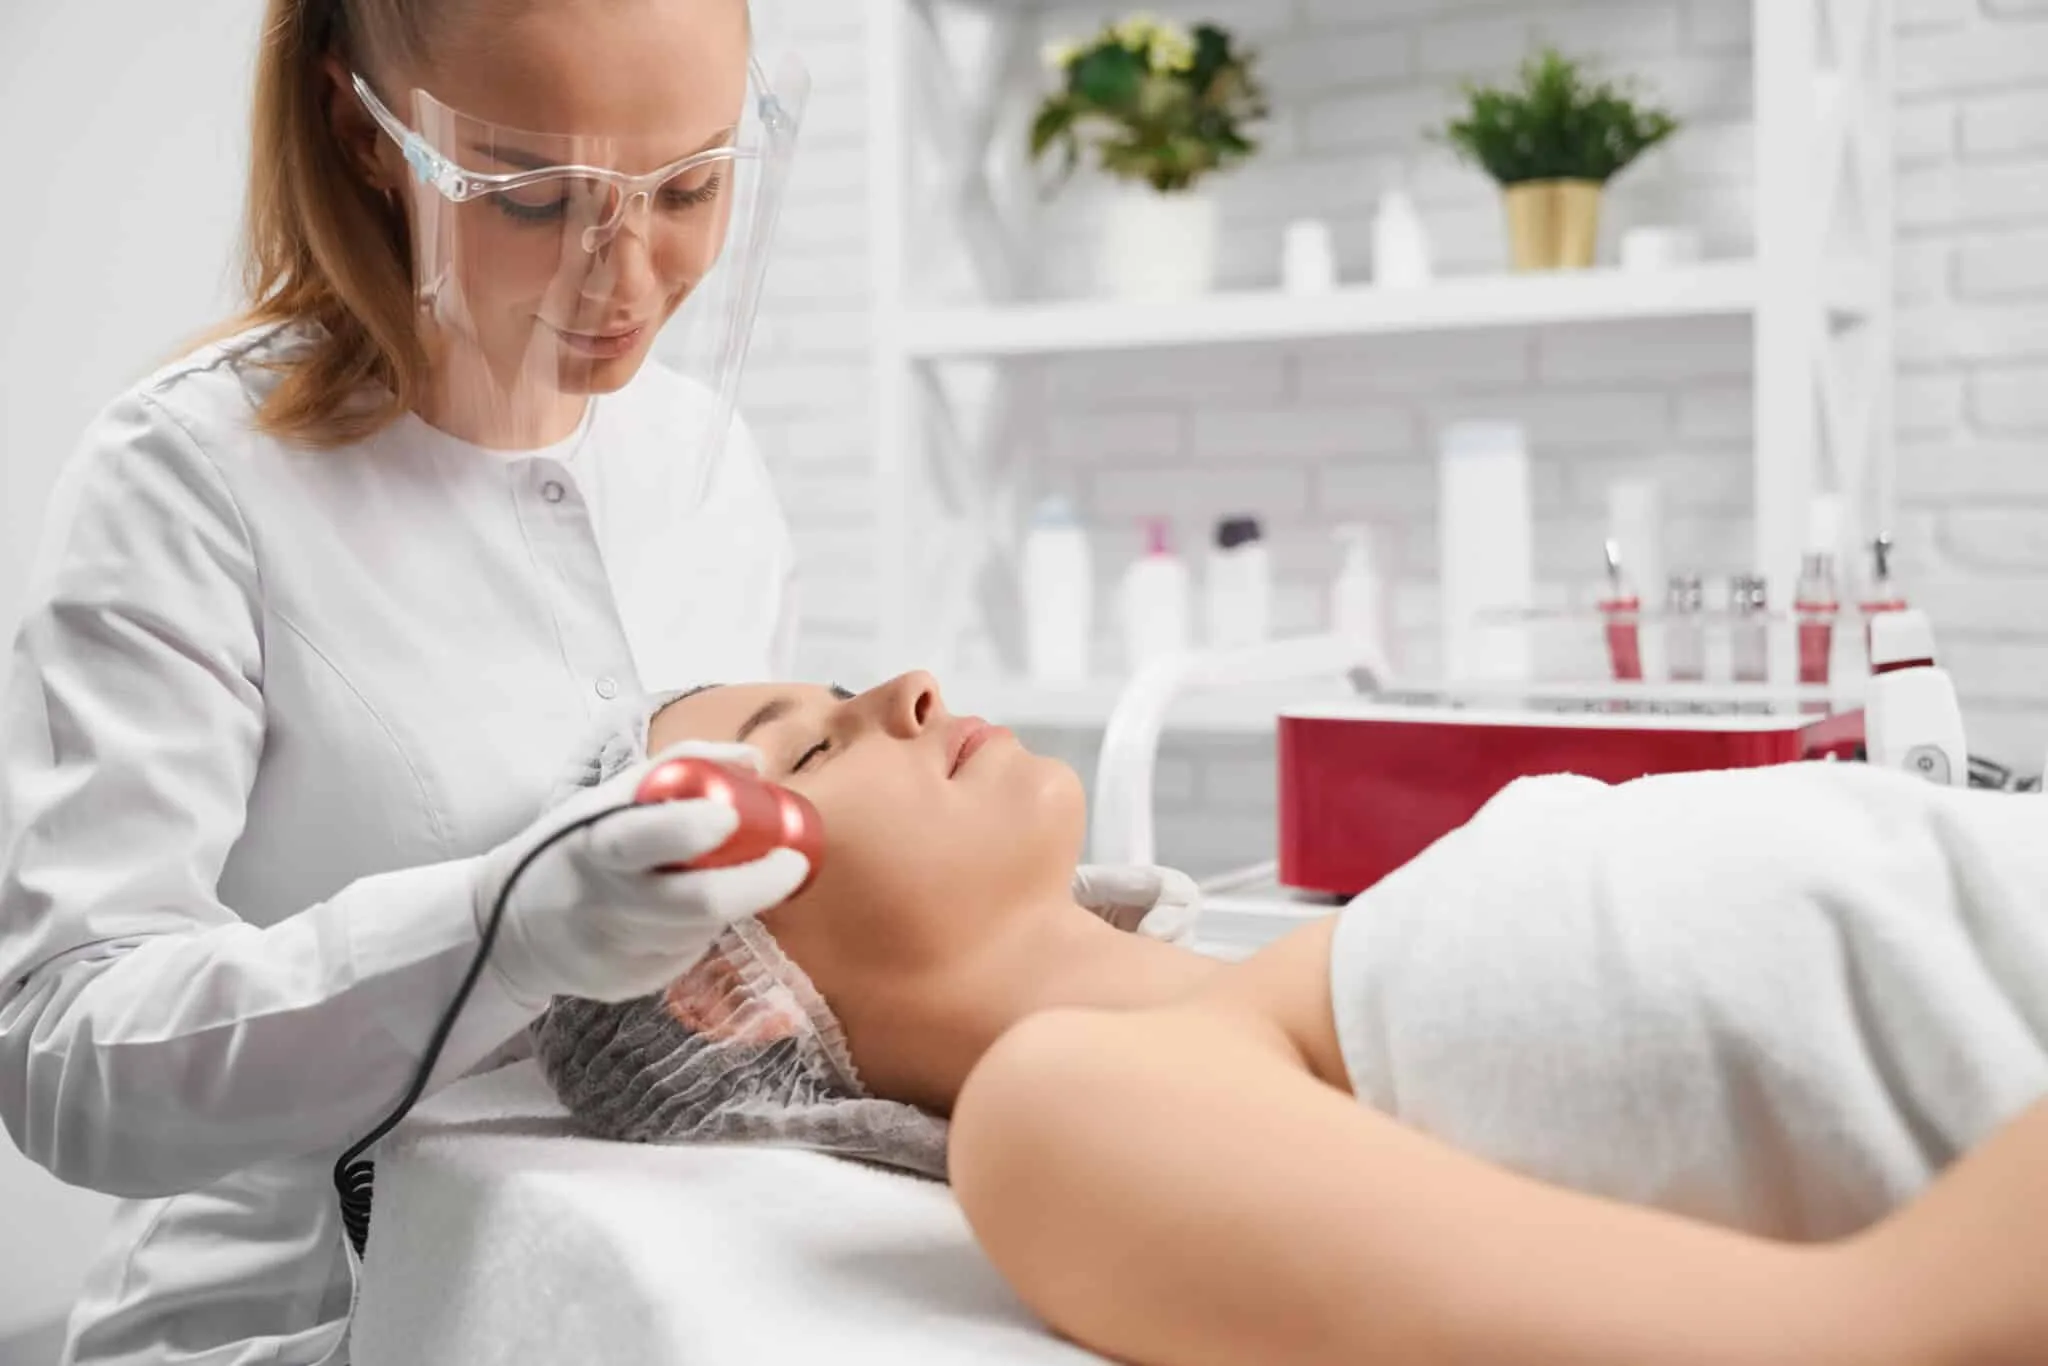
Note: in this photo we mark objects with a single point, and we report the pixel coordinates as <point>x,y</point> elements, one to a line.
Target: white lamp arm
<point>1121,826</point>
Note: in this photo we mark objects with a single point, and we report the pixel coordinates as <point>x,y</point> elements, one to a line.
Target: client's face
<point>925,814</point>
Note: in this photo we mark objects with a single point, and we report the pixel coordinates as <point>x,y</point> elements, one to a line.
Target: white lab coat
<point>266,706</point>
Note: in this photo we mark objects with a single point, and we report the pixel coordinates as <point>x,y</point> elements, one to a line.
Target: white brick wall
<point>1335,432</point>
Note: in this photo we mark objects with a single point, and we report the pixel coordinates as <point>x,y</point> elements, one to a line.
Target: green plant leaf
<point>1054,127</point>
<point>1554,123</point>
<point>1212,56</point>
<point>1109,77</point>
<point>1055,121</point>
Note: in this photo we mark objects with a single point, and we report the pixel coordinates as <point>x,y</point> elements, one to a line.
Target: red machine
<point>1364,788</point>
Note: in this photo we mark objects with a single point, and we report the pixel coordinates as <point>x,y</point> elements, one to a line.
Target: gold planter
<point>1553,224</point>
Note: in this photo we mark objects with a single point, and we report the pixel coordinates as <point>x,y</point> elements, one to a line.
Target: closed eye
<point>839,694</point>
<point>677,195</point>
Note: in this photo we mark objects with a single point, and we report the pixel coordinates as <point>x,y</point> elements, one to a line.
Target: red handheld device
<point>771,816</point>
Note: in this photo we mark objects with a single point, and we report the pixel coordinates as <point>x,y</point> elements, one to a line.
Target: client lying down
<point>1780,1002</point>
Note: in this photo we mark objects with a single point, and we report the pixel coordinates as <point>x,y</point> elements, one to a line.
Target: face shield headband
<point>549,267</point>
<point>609,192</point>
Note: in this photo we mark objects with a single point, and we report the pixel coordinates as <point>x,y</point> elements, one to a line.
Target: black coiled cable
<point>354,1178</point>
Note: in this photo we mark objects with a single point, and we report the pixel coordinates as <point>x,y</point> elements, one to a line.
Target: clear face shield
<point>551,266</point>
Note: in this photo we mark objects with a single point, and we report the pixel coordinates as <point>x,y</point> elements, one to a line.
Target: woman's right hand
<point>592,916</point>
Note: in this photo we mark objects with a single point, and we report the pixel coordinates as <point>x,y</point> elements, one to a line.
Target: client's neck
<point>916,1036</point>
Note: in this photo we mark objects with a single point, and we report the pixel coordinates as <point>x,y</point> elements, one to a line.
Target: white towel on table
<point>1778,999</point>
<point>499,1236</point>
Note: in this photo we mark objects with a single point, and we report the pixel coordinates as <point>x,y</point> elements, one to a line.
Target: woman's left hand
<point>1159,903</point>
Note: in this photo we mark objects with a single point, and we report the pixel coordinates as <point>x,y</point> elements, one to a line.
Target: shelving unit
<point>1817,292</point>
<point>1709,290</point>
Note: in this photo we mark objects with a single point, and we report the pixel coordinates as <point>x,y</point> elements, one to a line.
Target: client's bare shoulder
<point>1282,994</point>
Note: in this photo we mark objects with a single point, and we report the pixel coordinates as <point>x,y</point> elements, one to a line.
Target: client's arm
<point>1173,1187</point>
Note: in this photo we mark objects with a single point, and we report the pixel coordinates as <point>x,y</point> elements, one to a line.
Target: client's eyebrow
<point>775,709</point>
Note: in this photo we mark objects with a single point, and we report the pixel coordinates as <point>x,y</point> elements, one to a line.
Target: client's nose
<point>910,704</point>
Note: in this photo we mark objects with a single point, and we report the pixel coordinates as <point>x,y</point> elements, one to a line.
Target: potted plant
<point>1163,107</point>
<point>1552,141</point>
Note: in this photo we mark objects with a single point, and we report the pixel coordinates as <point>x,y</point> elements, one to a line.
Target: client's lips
<point>970,733</point>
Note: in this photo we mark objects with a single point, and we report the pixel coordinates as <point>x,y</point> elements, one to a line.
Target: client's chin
<point>1055,804</point>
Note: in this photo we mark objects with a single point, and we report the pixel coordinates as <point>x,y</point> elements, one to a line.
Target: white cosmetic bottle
<point>1911,719</point>
<point>1239,585</point>
<point>1400,244</point>
<point>1486,552</point>
<point>1059,595</point>
<point>1153,601</point>
<point>1358,601</point>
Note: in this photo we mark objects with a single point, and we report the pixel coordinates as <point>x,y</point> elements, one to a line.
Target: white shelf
<point>1020,704</point>
<point>1086,706</point>
<point>1711,289</point>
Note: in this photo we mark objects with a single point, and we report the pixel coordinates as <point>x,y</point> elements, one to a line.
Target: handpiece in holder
<point>770,816</point>
<point>1911,719</point>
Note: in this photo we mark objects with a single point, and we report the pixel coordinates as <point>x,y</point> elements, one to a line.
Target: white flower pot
<point>1158,246</point>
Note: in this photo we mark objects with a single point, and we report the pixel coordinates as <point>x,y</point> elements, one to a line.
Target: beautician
<point>327,604</point>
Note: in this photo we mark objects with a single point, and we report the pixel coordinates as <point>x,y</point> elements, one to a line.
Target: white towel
<point>500,1237</point>
<point>1778,999</point>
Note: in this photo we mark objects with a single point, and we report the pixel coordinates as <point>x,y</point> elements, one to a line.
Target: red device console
<point>1366,787</point>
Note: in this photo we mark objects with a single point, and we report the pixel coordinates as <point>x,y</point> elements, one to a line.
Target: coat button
<point>607,688</point>
<point>552,491</point>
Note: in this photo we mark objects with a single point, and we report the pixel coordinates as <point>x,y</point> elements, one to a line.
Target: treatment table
<point>501,1236</point>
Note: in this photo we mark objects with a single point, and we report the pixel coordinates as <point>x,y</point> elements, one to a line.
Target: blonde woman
<point>329,601</point>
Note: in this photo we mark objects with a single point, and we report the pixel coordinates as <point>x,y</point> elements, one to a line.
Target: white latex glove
<point>1159,903</point>
<point>591,917</point>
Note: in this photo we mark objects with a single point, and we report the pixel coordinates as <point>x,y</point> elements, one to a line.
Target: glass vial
<point>1685,642</point>
<point>1816,609</point>
<point>1623,613</point>
<point>1749,629</point>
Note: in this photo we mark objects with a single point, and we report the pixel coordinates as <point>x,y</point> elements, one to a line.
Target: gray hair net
<point>742,1048</point>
